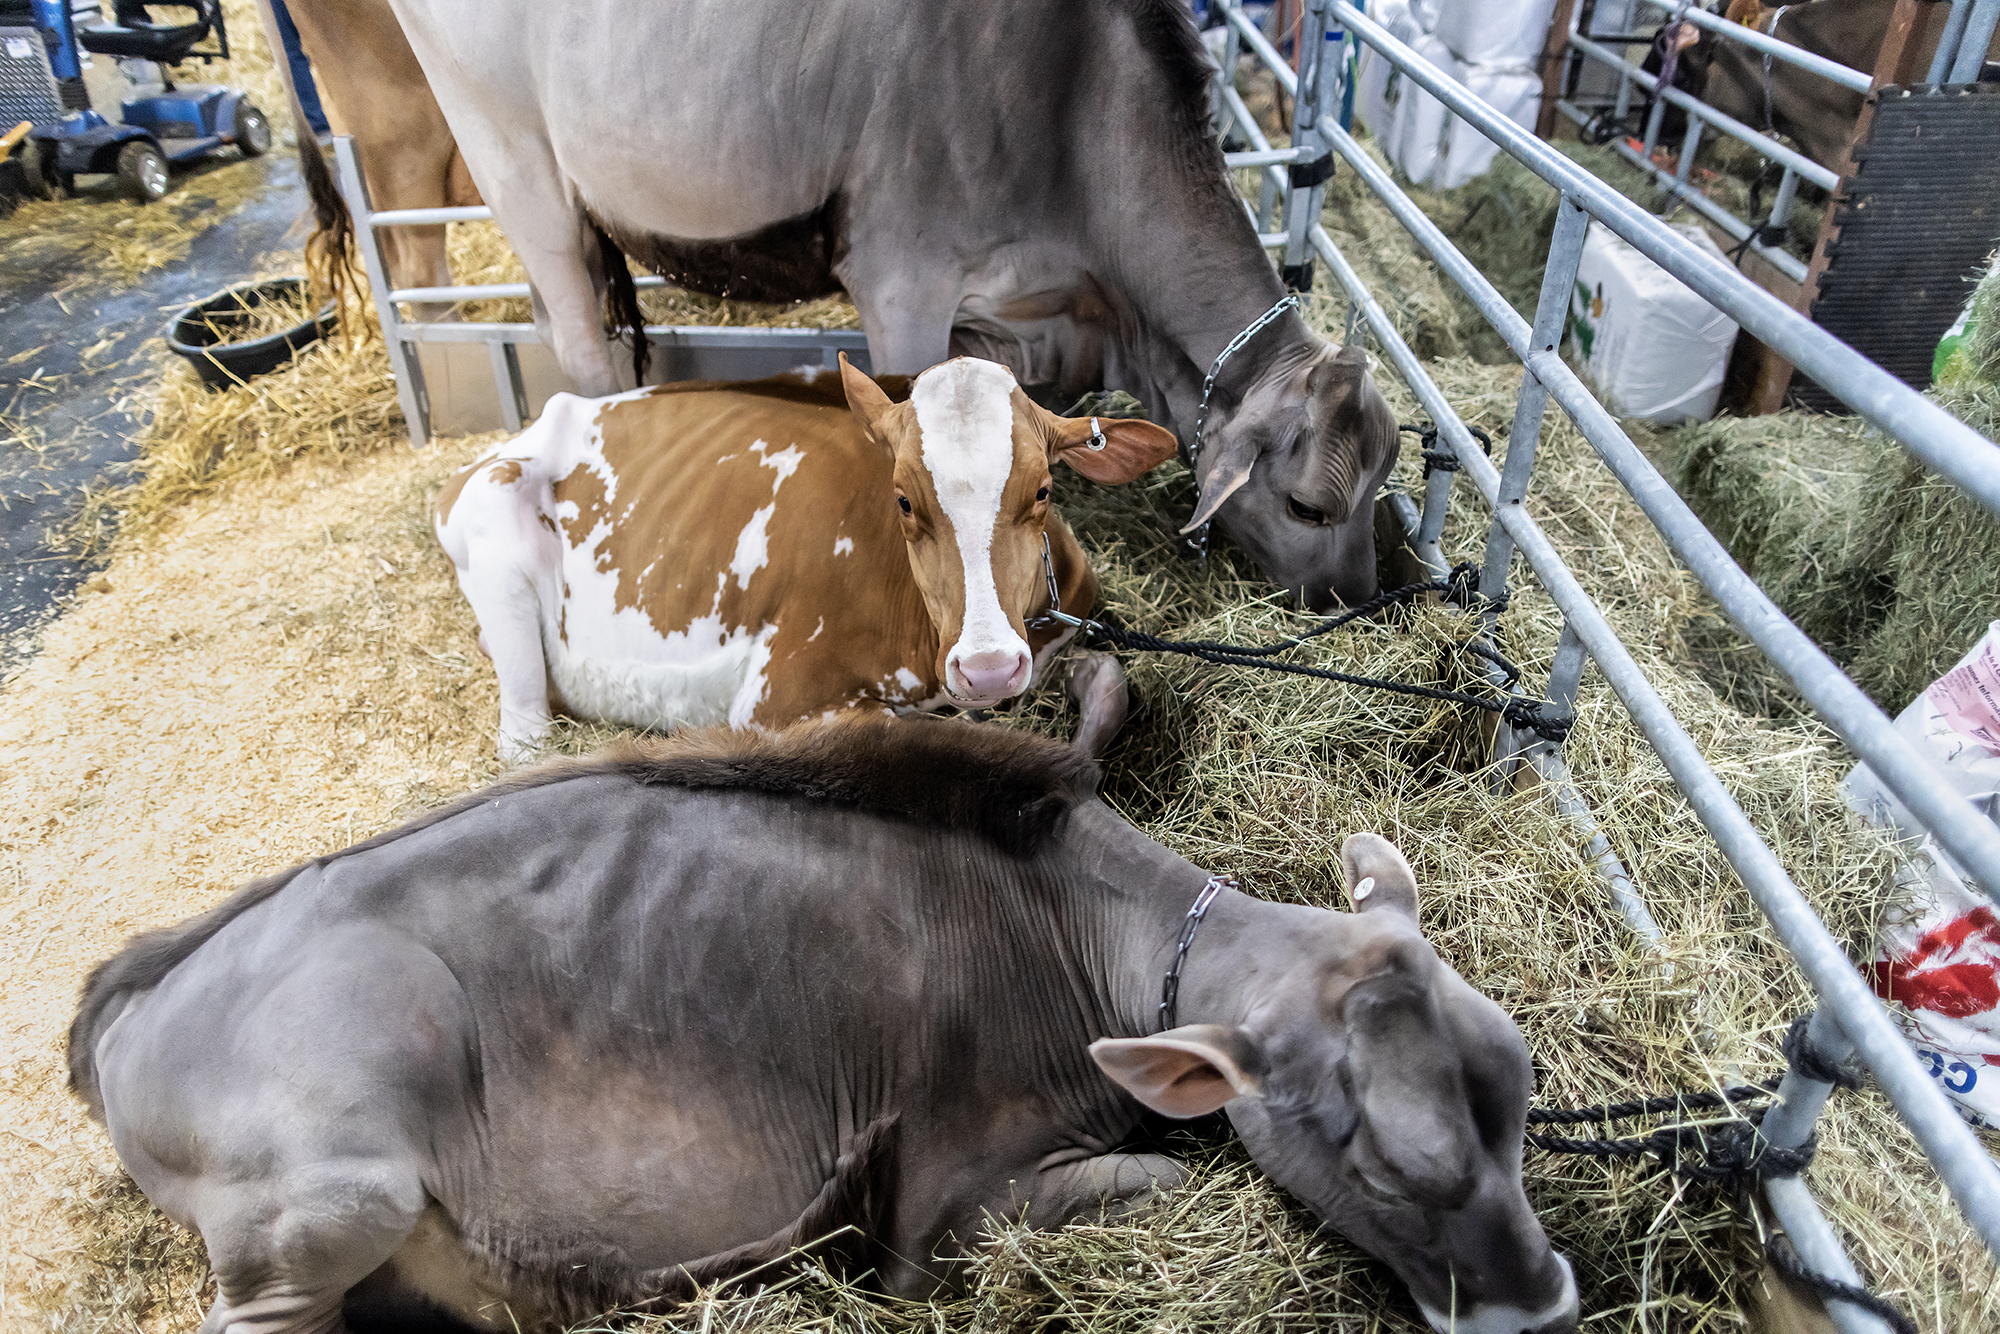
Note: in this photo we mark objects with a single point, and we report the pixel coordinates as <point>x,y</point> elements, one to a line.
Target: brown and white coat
<point>764,552</point>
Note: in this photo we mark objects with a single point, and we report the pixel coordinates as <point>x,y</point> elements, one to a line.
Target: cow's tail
<point>144,963</point>
<point>621,300</point>
<point>330,249</point>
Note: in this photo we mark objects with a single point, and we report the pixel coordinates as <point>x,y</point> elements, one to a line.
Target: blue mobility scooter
<point>41,81</point>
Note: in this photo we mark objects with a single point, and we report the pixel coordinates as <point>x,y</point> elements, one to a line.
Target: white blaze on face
<point>965,412</point>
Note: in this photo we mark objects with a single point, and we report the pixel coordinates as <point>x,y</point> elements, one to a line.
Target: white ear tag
<point>1365,888</point>
<point>1097,440</point>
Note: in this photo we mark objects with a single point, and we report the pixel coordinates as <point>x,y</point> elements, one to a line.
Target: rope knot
<point>1802,1056</point>
<point>1527,714</point>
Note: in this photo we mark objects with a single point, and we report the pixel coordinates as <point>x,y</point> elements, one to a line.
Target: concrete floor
<point>67,411</point>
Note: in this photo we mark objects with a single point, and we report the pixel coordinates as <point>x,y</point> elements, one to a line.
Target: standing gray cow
<point>1034,182</point>
<point>620,1026</point>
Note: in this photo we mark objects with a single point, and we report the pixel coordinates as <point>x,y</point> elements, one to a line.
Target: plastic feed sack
<point>1940,959</point>
<point>1653,348</point>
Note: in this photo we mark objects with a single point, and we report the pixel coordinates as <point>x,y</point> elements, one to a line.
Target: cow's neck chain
<point>1195,544</point>
<point>1170,988</point>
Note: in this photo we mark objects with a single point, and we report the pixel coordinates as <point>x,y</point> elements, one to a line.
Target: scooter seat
<point>136,38</point>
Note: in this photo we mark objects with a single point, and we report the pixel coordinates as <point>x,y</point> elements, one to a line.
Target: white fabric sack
<point>1654,348</point>
<point>1416,141</point>
<point>1468,154</point>
<point>1939,960</point>
<point>1494,32</point>
<point>1378,90</point>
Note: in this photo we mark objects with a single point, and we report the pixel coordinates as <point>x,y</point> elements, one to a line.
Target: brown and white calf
<point>758,553</point>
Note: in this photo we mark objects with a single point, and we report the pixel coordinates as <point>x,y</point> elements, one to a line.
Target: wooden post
<point>1554,60</point>
<point>1895,64</point>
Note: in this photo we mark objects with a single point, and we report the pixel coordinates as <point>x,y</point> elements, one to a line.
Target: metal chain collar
<point>1195,544</point>
<point>1170,988</point>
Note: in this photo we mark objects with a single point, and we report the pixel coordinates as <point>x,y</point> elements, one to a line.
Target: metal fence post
<point>1232,49</point>
<point>1948,40</point>
<point>1306,179</point>
<point>1551,314</point>
<point>1972,46</point>
<point>403,364</point>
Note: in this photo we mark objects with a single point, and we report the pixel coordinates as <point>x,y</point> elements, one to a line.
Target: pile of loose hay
<point>1894,570</point>
<point>277,663</point>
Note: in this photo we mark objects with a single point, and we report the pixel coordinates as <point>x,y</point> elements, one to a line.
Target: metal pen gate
<point>1849,1021</point>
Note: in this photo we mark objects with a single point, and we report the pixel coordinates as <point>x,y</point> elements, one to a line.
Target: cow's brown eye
<point>904,501</point>
<point>1042,494</point>
<point>1303,512</point>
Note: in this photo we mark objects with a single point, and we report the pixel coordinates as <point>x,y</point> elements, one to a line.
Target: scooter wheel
<point>143,171</point>
<point>253,130</point>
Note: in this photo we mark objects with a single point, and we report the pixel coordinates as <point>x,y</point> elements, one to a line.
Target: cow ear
<point>1187,1071</point>
<point>1227,469</point>
<point>1116,451</point>
<point>1377,875</point>
<point>865,400</point>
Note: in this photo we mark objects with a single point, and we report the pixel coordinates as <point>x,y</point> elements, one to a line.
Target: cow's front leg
<point>906,306</point>
<point>1113,1184</point>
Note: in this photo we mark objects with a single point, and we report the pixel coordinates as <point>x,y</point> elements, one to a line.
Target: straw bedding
<point>276,662</point>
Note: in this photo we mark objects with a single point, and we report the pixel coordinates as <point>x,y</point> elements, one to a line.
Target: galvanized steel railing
<point>1957,60</point>
<point>1850,1018</point>
<point>692,351</point>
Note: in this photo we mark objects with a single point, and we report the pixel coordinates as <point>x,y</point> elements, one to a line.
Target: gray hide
<point>1034,183</point>
<point>619,1026</point>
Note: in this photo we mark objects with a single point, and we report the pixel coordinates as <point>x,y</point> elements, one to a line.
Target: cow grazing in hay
<point>1036,183</point>
<point>623,1026</point>
<point>764,552</point>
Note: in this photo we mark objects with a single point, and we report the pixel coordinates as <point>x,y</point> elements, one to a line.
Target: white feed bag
<point>1494,32</point>
<point>1379,88</point>
<point>1939,960</point>
<point>1467,154</point>
<point>1417,138</point>
<point>1654,348</point>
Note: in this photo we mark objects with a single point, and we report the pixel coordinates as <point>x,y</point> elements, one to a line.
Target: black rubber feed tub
<point>201,333</point>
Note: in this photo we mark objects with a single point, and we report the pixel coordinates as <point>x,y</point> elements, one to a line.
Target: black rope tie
<point>1442,460</point>
<point>1733,1153</point>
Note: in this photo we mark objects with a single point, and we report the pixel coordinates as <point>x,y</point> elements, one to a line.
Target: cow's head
<point>972,456</point>
<point>1380,1089</point>
<point>1291,469</point>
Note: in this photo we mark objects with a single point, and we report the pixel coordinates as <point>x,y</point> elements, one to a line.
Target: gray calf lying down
<point>617,1027</point>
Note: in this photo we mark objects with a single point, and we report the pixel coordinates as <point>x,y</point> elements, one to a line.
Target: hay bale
<point>1892,569</point>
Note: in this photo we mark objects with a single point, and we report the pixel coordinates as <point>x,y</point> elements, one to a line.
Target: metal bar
<point>1788,190</point>
<point>1788,1125</point>
<point>1949,446</point>
<point>1551,314</point>
<point>1972,1177</point>
<point>1965,66</point>
<point>495,291</point>
<point>1690,145</point>
<point>1819,1246</point>
<point>1232,52</point>
<point>1272,178</point>
<point>403,366</point>
<point>1948,40</point>
<point>507,384</point>
<point>1734,128</point>
<point>1775,47</point>
<point>1302,214</point>
<point>1784,261</point>
<point>430,217</point>
<point>1263,157</point>
<point>1260,46</point>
